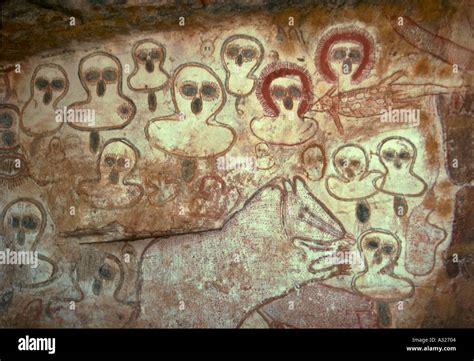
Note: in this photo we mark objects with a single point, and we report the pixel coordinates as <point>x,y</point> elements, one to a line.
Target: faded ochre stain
<point>422,67</point>
<point>432,149</point>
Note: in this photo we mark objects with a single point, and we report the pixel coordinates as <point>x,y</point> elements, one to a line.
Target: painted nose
<point>20,237</point>
<point>114,177</point>
<point>8,138</point>
<point>101,87</point>
<point>196,105</point>
<point>96,286</point>
<point>288,103</point>
<point>239,60</point>
<point>398,164</point>
<point>347,66</point>
<point>47,97</point>
<point>70,292</point>
<point>377,258</point>
<point>350,173</point>
<point>149,65</point>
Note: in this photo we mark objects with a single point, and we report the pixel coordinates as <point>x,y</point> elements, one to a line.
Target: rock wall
<point>224,164</point>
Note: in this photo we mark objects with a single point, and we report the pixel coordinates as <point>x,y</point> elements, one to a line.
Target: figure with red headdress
<point>285,91</point>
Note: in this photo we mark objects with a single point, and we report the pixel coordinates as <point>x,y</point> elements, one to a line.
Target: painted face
<point>117,160</point>
<point>98,274</point>
<point>198,91</point>
<point>55,150</point>
<point>380,249</point>
<point>99,71</point>
<point>241,54</point>
<point>397,154</point>
<point>207,48</point>
<point>9,127</point>
<point>284,87</point>
<point>287,93</point>
<point>313,161</point>
<point>149,54</point>
<point>13,169</point>
<point>23,223</point>
<point>345,58</point>
<point>107,278</point>
<point>262,150</point>
<point>347,52</point>
<point>49,83</point>
<point>148,74</point>
<point>350,162</point>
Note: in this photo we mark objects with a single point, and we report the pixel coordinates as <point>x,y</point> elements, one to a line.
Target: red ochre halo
<point>349,33</point>
<point>278,70</point>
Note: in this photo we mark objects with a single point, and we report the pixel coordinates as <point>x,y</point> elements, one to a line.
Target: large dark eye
<point>121,162</point>
<point>355,56</point>
<point>232,51</point>
<point>339,53</point>
<point>342,162</point>
<point>110,74</point>
<point>92,75</point>
<point>387,249</point>
<point>249,53</point>
<point>105,272</point>
<point>278,92</point>
<point>373,243</point>
<point>295,92</point>
<point>355,163</point>
<point>41,83</point>
<point>155,54</point>
<point>29,222</point>
<point>405,155</point>
<point>189,90</point>
<point>15,221</point>
<point>209,91</point>
<point>142,55</point>
<point>110,161</point>
<point>8,138</point>
<point>6,120</point>
<point>57,84</point>
<point>388,154</point>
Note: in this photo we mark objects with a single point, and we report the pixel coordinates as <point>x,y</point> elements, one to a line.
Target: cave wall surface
<point>237,164</point>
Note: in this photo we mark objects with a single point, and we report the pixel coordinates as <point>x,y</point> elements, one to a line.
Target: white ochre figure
<point>381,250</point>
<point>398,156</point>
<point>101,76</point>
<point>23,225</point>
<point>148,75</point>
<point>241,55</point>
<point>353,180</point>
<point>193,132</point>
<point>114,188</point>
<point>284,90</point>
<point>49,84</point>
<point>207,50</point>
<point>14,168</point>
<point>345,55</point>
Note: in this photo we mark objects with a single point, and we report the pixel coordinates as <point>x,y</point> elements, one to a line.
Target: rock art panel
<point>274,167</point>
